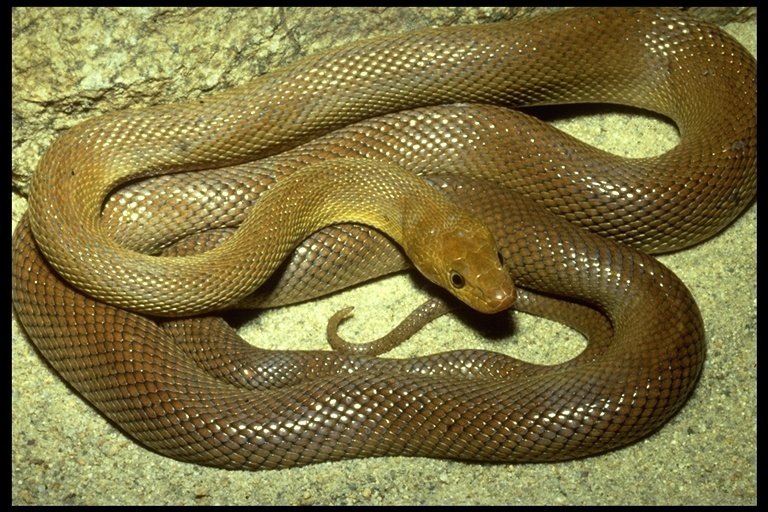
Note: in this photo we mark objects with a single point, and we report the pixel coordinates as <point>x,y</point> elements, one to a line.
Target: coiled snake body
<point>230,405</point>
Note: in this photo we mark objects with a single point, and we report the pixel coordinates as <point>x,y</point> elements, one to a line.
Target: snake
<point>435,103</point>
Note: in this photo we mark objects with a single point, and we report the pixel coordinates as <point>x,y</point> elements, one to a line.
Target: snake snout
<point>487,289</point>
<point>501,298</point>
<point>494,293</point>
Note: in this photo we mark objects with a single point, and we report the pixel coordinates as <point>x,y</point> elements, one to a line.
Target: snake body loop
<point>227,404</point>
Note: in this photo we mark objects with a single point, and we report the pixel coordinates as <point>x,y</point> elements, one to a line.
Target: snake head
<point>466,262</point>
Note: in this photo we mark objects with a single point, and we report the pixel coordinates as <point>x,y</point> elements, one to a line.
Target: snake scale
<point>189,389</point>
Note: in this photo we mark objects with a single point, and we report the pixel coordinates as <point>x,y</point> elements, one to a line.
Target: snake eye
<point>457,280</point>
<point>501,258</point>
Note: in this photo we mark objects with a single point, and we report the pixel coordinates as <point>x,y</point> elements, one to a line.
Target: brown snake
<point>298,408</point>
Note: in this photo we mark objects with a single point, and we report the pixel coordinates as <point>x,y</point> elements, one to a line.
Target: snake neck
<point>449,245</point>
